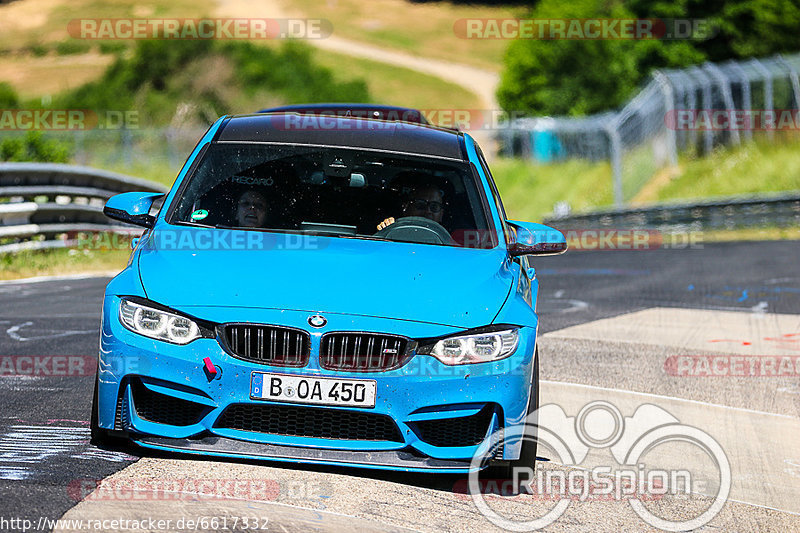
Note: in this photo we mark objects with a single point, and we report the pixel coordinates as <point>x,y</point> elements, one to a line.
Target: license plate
<point>318,391</point>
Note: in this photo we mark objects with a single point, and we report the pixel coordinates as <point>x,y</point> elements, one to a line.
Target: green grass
<point>392,85</point>
<point>72,47</point>
<point>762,166</point>
<point>529,191</point>
<point>756,167</point>
<point>48,23</point>
<point>752,234</point>
<point>156,170</point>
<point>420,28</point>
<point>148,155</point>
<point>51,262</point>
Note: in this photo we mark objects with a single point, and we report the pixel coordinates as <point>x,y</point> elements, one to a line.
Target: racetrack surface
<point>610,323</point>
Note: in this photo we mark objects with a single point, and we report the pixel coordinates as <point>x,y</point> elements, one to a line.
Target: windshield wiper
<point>193,224</point>
<point>363,237</point>
<point>342,235</point>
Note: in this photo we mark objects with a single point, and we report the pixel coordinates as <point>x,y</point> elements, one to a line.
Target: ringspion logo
<point>627,476</point>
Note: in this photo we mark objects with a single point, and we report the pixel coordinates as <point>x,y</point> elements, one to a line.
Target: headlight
<point>476,348</point>
<point>157,324</point>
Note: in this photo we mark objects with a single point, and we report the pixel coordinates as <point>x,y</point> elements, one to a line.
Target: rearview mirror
<point>529,238</point>
<point>132,207</point>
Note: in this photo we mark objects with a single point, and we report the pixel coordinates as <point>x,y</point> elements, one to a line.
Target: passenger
<point>251,209</point>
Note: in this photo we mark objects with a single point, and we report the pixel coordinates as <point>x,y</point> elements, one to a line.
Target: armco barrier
<point>722,213</point>
<point>41,201</point>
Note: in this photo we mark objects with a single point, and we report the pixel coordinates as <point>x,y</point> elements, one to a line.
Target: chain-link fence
<point>153,153</point>
<point>687,110</point>
<point>133,148</point>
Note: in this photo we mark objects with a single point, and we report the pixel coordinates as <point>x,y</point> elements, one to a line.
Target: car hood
<point>426,283</point>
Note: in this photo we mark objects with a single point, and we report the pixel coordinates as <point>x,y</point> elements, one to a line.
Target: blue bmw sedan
<point>324,289</point>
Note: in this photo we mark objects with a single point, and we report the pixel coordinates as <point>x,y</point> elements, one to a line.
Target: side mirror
<point>132,207</point>
<point>535,239</point>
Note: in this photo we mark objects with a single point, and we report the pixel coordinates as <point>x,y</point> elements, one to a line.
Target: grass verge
<point>761,166</point>
<point>420,28</point>
<point>58,262</point>
<point>28,24</point>
<point>392,85</point>
<point>753,234</point>
<point>530,191</point>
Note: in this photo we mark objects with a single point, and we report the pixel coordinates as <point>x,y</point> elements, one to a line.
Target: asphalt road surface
<point>625,327</point>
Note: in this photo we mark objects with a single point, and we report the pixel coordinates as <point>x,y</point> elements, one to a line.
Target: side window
<point>495,195</point>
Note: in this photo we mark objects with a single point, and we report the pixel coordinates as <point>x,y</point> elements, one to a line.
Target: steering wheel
<point>416,229</point>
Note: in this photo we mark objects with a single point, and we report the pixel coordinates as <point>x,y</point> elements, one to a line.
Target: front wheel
<point>527,456</point>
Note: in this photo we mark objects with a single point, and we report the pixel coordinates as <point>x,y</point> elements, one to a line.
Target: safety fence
<point>776,211</point>
<point>42,205</point>
<point>689,110</point>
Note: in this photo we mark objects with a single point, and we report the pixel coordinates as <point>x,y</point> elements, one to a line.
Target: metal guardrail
<point>41,204</point>
<point>721,213</point>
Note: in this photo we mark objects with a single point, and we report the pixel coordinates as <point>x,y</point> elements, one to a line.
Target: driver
<point>251,209</point>
<point>421,200</point>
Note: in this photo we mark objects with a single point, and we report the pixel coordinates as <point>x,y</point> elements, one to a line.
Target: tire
<point>527,456</point>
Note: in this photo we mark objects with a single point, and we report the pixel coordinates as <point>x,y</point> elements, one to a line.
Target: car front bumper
<point>423,392</point>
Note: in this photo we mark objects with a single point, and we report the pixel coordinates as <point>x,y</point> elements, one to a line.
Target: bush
<point>8,96</point>
<point>38,50</point>
<point>292,72</point>
<point>34,146</point>
<point>71,47</point>
<point>112,47</point>
<point>211,76</point>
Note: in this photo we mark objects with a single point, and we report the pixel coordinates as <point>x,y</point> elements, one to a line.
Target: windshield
<point>339,192</point>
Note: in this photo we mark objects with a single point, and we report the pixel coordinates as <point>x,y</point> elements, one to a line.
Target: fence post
<point>792,78</point>
<point>669,109</point>
<point>756,64</point>
<point>746,96</point>
<point>725,88</point>
<point>127,146</point>
<point>615,151</point>
<point>705,85</point>
<point>691,103</point>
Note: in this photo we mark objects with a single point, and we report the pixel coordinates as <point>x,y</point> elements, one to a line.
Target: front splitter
<point>385,460</point>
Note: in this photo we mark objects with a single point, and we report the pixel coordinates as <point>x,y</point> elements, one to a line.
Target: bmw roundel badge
<point>317,321</point>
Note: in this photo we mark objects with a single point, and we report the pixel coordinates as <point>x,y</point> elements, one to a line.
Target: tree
<point>577,77</point>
